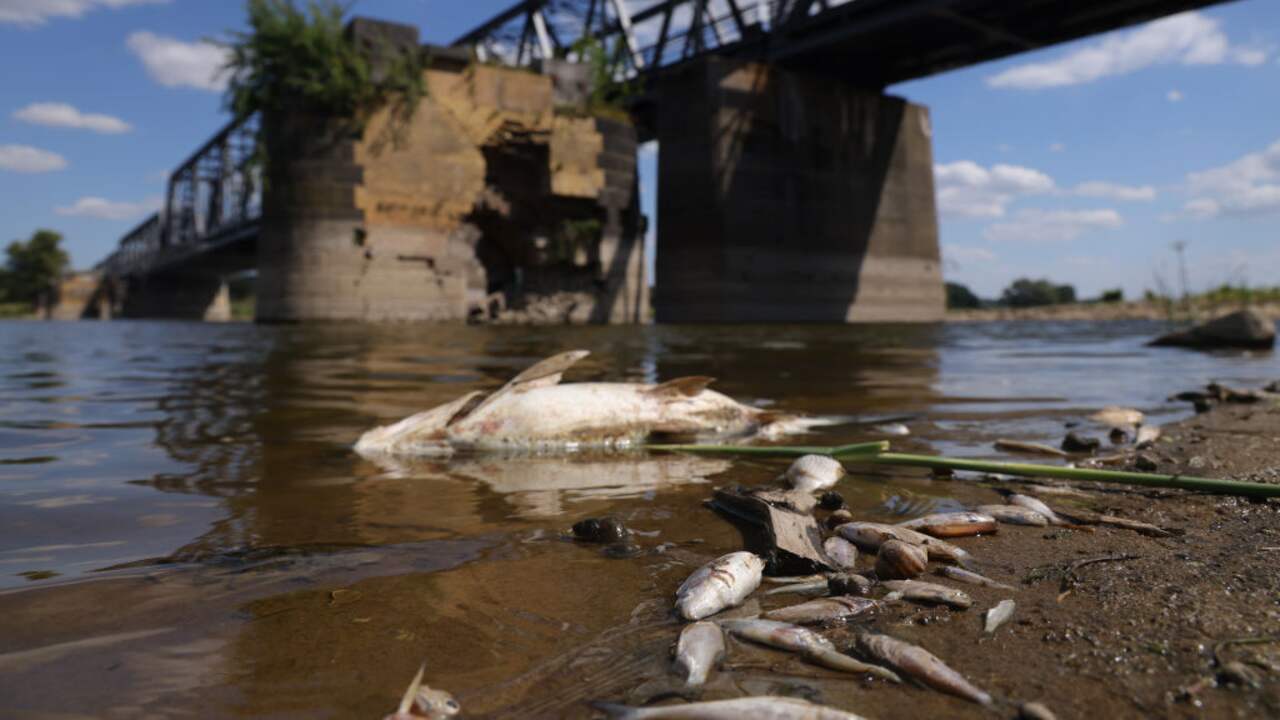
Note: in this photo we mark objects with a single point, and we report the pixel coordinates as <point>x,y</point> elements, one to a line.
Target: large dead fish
<point>424,703</point>
<point>534,412</point>
<point>765,706</point>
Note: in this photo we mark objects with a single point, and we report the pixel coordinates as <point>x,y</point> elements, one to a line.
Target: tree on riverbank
<point>960,297</point>
<point>32,267</point>
<point>1025,292</point>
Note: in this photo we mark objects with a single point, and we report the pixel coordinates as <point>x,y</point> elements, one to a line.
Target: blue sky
<point>1081,162</point>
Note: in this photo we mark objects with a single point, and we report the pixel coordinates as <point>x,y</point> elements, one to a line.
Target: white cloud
<point>37,12</point>
<point>1051,225</point>
<point>1114,191</point>
<point>104,209</point>
<point>174,63</point>
<point>1057,147</point>
<point>1188,38</point>
<point>1174,96</point>
<point>958,255</point>
<point>970,190</point>
<point>1250,184</point>
<point>26,159</point>
<point>64,115</point>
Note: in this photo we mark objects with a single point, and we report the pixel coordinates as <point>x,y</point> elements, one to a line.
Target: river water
<point>184,530</point>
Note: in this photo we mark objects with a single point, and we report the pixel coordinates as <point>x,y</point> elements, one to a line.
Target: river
<point>185,530</point>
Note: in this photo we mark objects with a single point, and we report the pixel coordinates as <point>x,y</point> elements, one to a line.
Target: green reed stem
<point>874,452</point>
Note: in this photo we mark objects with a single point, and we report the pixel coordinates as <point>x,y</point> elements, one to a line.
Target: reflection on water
<point>299,579</point>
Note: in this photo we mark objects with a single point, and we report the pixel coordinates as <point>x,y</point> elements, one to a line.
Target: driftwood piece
<point>771,527</point>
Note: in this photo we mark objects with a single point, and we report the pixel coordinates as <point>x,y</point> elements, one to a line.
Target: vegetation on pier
<point>303,61</point>
<point>30,268</point>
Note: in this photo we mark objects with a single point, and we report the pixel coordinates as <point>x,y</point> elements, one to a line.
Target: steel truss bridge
<point>214,197</point>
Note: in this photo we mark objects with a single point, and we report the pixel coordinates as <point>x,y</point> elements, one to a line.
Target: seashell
<point>848,584</point>
<point>842,552</point>
<point>898,560</point>
<point>814,472</point>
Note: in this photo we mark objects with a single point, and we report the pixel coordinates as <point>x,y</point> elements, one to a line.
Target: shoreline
<point>1099,312</point>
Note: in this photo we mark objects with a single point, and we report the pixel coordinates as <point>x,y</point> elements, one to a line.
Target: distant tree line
<point>1024,292</point>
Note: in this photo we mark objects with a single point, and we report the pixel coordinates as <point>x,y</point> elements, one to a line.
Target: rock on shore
<point>1240,329</point>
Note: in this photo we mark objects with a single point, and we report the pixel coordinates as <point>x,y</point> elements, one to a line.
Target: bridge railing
<point>640,36</point>
<point>214,194</point>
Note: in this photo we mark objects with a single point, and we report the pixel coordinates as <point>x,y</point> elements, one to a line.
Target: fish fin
<point>615,710</point>
<point>686,386</point>
<point>407,701</point>
<point>471,402</point>
<point>548,371</point>
<point>541,374</point>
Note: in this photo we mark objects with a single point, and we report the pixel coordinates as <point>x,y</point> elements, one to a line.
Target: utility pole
<point>1179,246</point>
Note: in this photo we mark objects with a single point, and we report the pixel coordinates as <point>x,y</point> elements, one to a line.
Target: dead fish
<point>721,583</point>
<point>763,706</point>
<point>971,577</point>
<point>1036,505</point>
<point>700,647</point>
<point>922,665</point>
<point>792,579</point>
<point>870,536</point>
<point>1014,515</point>
<point>1028,447</point>
<point>534,412</point>
<point>811,473</point>
<point>1147,436</point>
<point>1117,417</point>
<point>927,592</point>
<point>823,610</point>
<point>420,702</point>
<point>848,584</point>
<point>808,587</point>
<point>842,552</point>
<point>952,524</point>
<point>804,642</point>
<point>997,615</point>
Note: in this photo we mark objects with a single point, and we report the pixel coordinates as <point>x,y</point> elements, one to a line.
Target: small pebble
<point>1075,443</point>
<point>1145,463</point>
<point>607,529</point>
<point>831,500</point>
<point>1118,436</point>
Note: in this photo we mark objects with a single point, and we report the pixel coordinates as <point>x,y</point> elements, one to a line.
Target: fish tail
<point>616,710</point>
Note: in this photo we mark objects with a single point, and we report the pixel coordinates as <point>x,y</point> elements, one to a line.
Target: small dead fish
<point>1117,417</point>
<point>810,473</point>
<point>1036,505</point>
<point>1035,711</point>
<point>971,577</point>
<point>922,665</point>
<point>870,536</point>
<point>1028,447</point>
<point>1123,523</point>
<point>842,552</point>
<point>848,584</point>
<point>1014,515</point>
<point>700,647</point>
<point>1147,436</point>
<point>763,706</point>
<point>997,615</point>
<point>804,642</point>
<point>927,592</point>
<point>792,579</point>
<point>421,702</point>
<point>952,524</point>
<point>823,610</point>
<point>893,429</point>
<point>808,587</point>
<point>721,583</point>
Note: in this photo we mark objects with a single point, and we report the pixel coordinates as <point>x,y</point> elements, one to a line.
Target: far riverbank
<point>1136,310</point>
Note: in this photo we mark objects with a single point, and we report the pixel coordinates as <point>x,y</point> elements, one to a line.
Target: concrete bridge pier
<point>785,197</point>
<point>177,296</point>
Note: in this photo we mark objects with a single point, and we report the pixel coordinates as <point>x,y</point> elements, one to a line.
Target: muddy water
<point>184,531</point>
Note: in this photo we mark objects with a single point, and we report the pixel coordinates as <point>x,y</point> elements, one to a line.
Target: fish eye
<point>451,704</point>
